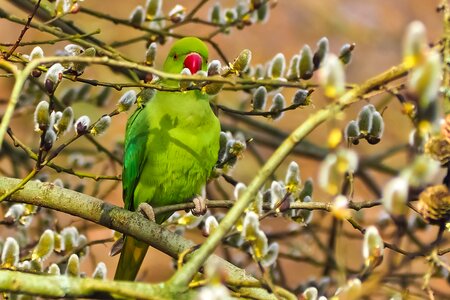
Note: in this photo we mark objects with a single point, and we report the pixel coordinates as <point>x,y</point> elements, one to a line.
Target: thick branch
<point>66,287</point>
<point>111,216</point>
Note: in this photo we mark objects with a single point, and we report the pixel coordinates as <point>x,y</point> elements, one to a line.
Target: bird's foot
<point>200,206</point>
<point>147,210</point>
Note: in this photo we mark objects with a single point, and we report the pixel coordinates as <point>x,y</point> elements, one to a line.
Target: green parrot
<point>171,147</point>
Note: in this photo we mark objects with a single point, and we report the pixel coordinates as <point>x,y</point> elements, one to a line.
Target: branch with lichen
<point>105,214</point>
<point>57,286</point>
<point>445,9</point>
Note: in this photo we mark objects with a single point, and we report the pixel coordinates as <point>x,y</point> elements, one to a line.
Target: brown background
<point>376,26</point>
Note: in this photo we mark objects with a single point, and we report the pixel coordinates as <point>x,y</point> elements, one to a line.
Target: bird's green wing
<point>134,154</point>
<point>136,137</point>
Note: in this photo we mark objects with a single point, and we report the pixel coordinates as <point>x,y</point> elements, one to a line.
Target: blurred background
<point>375,26</point>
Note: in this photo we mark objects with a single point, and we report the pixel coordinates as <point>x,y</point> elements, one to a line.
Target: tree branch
<point>67,287</point>
<point>111,216</point>
<point>25,28</point>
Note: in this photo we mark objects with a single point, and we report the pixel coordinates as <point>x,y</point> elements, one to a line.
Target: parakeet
<point>171,147</point>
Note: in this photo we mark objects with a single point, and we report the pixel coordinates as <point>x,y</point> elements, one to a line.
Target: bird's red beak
<point>193,62</point>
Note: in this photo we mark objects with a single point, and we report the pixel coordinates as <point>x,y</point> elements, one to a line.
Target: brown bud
<point>36,73</point>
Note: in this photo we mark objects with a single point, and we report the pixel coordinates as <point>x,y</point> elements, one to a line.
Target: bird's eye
<point>175,56</point>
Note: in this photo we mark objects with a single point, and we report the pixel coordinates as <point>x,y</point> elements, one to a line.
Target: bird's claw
<point>200,206</point>
<point>117,246</point>
<point>147,210</point>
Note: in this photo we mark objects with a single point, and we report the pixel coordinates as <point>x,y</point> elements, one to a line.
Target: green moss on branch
<point>111,216</point>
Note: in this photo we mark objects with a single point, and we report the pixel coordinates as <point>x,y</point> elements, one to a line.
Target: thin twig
<point>258,113</point>
<point>25,28</point>
<point>53,41</point>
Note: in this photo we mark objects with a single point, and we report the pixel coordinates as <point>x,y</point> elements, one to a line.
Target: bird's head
<point>189,52</point>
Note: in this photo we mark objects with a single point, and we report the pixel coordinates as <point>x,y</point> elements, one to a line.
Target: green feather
<point>171,146</point>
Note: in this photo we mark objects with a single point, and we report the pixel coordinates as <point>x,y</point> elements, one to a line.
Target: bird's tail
<point>133,253</point>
